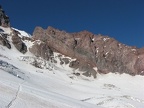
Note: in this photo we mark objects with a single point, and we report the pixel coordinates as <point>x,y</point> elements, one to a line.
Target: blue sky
<point>120,19</point>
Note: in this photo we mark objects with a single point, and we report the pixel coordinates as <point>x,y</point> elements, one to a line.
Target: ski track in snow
<point>12,101</point>
<point>16,96</point>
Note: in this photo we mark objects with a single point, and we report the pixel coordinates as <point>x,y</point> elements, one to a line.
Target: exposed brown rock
<point>139,65</point>
<point>65,44</point>
<point>4,19</point>
<point>18,43</point>
<point>41,49</point>
<point>90,51</point>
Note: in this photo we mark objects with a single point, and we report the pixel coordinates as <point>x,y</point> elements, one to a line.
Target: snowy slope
<point>23,85</point>
<point>22,33</point>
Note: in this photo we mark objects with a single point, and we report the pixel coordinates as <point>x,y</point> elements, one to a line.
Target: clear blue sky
<point>120,19</point>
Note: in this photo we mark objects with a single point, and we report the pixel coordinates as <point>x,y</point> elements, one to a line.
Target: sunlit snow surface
<point>24,86</point>
<point>22,33</point>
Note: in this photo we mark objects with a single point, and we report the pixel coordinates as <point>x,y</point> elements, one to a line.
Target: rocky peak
<point>4,19</point>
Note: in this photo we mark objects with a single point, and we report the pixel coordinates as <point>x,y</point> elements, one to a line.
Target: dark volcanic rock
<point>90,51</point>
<point>4,19</point>
<point>18,43</point>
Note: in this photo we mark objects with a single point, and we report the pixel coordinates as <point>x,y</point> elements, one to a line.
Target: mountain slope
<point>55,69</point>
<point>54,85</point>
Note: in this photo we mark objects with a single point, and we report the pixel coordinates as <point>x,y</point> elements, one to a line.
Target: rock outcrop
<point>18,43</point>
<point>4,41</point>
<point>16,39</point>
<point>90,51</point>
<point>4,19</point>
<point>41,49</point>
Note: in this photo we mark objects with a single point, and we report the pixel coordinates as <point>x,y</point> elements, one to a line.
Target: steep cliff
<point>91,51</point>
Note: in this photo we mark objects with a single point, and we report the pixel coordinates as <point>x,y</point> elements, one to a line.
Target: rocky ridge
<point>4,19</point>
<point>91,53</point>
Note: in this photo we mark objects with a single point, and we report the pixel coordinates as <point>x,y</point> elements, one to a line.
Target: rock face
<point>16,39</point>
<point>41,49</point>
<point>90,51</point>
<point>4,19</point>
<point>18,43</point>
<point>4,41</point>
